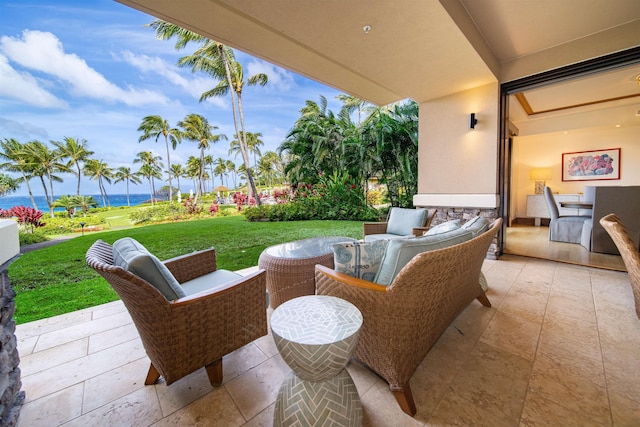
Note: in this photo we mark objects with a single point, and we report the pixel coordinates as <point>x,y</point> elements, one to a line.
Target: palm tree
<point>17,161</point>
<point>269,166</point>
<point>124,173</point>
<point>69,203</point>
<point>253,146</point>
<point>76,151</point>
<point>8,184</point>
<point>193,170</point>
<point>208,161</point>
<point>150,169</point>
<point>86,202</point>
<point>221,169</point>
<point>100,172</point>
<point>45,163</point>
<point>154,126</point>
<point>351,104</point>
<point>197,128</point>
<point>177,171</point>
<point>231,168</point>
<point>219,61</point>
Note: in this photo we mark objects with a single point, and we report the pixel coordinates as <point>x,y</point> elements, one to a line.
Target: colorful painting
<point>591,165</point>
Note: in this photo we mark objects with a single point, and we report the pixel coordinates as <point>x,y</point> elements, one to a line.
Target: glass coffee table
<point>290,266</point>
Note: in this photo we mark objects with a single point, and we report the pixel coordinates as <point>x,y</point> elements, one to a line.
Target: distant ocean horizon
<point>115,200</point>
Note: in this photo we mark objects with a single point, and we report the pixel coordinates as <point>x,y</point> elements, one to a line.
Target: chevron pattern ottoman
<point>316,335</point>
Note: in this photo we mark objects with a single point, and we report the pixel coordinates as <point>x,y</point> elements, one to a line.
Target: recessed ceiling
<point>419,49</point>
<point>614,95</point>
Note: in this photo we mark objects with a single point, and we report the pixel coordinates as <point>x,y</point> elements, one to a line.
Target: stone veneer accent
<point>11,398</point>
<point>446,213</point>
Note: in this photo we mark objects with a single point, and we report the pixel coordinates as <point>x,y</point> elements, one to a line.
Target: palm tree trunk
<point>128,202</point>
<point>245,154</point>
<point>166,142</point>
<point>79,172</point>
<point>50,195</point>
<point>237,106</point>
<point>151,191</point>
<point>26,181</point>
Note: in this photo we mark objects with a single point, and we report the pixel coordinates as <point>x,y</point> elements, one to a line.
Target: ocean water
<point>115,200</point>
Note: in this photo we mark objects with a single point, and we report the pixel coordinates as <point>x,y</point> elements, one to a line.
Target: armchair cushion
<point>400,252</point>
<point>359,259</point>
<point>129,254</point>
<point>445,227</point>
<point>402,221</point>
<point>209,281</point>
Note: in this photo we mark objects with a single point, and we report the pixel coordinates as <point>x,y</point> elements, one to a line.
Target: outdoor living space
<point>559,346</point>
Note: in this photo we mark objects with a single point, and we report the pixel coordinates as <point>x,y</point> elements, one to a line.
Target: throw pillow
<point>400,252</point>
<point>402,221</point>
<point>477,225</point>
<point>359,259</point>
<point>445,227</point>
<point>129,254</point>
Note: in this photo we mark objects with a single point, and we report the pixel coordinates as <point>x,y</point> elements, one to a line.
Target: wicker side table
<point>290,266</point>
<point>316,336</point>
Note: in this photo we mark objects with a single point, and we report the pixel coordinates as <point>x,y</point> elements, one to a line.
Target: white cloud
<point>43,51</point>
<point>21,130</point>
<point>194,87</point>
<point>25,88</point>
<point>279,78</point>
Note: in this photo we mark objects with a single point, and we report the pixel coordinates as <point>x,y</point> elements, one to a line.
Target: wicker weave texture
<point>403,322</point>
<point>185,335</point>
<point>628,251</point>
<point>289,278</point>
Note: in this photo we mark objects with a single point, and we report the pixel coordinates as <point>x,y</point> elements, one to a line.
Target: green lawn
<point>56,280</point>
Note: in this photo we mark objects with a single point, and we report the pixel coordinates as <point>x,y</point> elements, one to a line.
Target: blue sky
<point>92,70</point>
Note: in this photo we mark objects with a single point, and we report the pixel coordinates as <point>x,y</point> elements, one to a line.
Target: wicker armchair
<point>184,335</point>
<point>402,321</point>
<point>380,228</point>
<point>628,251</point>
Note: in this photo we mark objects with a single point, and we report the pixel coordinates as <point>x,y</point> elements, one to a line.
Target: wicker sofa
<point>404,319</point>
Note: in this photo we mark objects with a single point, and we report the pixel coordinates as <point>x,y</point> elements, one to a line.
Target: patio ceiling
<point>419,49</point>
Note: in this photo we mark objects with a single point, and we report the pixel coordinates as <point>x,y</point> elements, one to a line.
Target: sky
<point>92,70</point>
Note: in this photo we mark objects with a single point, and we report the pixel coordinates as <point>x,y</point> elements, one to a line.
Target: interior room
<point>555,123</point>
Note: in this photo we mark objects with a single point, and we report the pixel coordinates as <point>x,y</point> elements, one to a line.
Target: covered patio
<point>559,346</point>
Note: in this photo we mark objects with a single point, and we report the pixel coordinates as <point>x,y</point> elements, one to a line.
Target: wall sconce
<point>540,175</point>
<point>472,121</point>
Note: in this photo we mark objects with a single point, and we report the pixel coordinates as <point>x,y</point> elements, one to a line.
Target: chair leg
<point>214,371</point>
<point>484,300</point>
<point>405,400</point>
<point>152,375</point>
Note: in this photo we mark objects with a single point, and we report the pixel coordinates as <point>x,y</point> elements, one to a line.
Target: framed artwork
<point>591,165</point>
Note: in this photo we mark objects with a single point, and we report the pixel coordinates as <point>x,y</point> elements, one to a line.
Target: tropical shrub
<point>164,212</point>
<point>31,238</point>
<point>27,217</point>
<point>64,225</point>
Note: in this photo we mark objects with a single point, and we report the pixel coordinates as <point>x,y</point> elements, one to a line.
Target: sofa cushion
<point>400,252</point>
<point>209,281</point>
<point>373,237</point>
<point>476,225</point>
<point>445,227</point>
<point>135,258</point>
<point>359,259</point>
<point>402,221</point>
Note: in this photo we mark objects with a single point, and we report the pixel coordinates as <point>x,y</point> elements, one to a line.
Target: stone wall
<point>11,398</point>
<point>446,213</point>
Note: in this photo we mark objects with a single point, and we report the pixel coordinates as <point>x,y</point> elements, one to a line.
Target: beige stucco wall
<point>545,150</point>
<point>453,160</point>
<point>10,243</point>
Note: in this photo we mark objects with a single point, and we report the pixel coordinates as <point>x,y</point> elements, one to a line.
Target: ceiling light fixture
<point>367,28</point>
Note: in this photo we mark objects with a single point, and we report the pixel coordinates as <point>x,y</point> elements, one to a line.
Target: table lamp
<point>540,175</point>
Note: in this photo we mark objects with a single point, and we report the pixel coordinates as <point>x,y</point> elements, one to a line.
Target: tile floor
<point>560,346</point>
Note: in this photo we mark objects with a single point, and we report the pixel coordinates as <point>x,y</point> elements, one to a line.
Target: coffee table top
<point>316,320</point>
<point>306,248</point>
